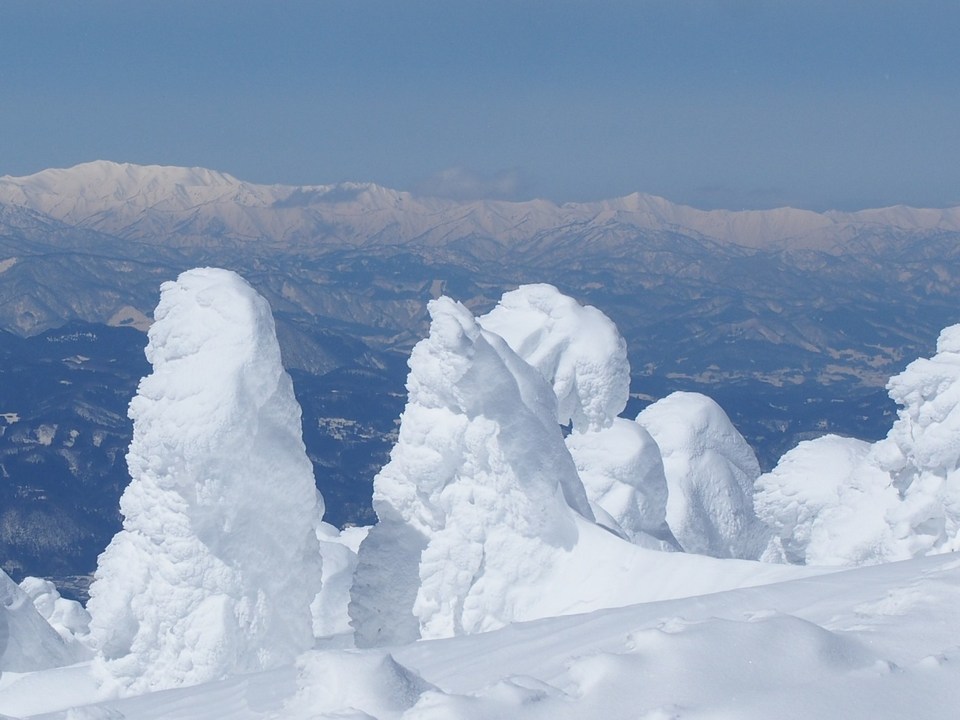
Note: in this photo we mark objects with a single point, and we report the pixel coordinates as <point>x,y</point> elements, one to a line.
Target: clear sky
<point>838,104</point>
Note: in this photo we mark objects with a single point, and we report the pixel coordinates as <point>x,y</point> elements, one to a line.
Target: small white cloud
<point>460,183</point>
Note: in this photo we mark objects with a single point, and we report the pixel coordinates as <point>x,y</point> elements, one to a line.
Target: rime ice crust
<point>710,472</point>
<point>218,560</point>
<point>895,499</point>
<point>475,503</point>
<point>575,347</point>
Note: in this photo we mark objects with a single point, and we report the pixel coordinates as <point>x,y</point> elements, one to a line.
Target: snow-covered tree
<point>837,501</point>
<point>218,560</point>
<point>476,500</point>
<point>710,473</point>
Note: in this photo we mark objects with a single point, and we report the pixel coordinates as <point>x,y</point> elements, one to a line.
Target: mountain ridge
<point>134,201</point>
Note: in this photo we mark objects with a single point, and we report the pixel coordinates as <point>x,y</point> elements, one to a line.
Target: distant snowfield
<point>877,642</point>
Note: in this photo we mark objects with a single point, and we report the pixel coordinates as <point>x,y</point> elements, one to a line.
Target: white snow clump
<point>575,347</point>
<point>475,503</point>
<point>27,641</point>
<point>710,472</point>
<point>840,502</point>
<point>218,562</point>
<point>68,617</point>
<point>622,472</point>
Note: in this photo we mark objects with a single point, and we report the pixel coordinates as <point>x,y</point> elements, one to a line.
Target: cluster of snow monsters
<point>488,512</point>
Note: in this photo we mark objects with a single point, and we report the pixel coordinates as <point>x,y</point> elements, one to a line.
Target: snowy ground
<point>876,642</point>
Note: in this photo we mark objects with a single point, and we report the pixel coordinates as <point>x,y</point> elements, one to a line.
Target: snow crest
<point>476,499</point>
<point>218,562</point>
<point>575,347</point>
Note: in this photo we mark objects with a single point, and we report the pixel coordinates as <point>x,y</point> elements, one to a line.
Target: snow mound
<point>622,472</point>
<point>477,496</point>
<point>710,471</point>
<point>575,347</point>
<point>351,684</point>
<point>27,641</point>
<point>68,617</point>
<point>841,502</point>
<point>218,562</point>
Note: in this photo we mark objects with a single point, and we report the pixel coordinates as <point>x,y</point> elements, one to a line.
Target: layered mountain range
<point>792,320</point>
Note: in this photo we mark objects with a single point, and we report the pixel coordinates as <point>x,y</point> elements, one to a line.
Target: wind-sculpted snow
<point>476,500</point>
<point>218,560</point>
<point>622,472</point>
<point>710,472</point>
<point>577,348</point>
<point>840,502</point>
<point>27,641</point>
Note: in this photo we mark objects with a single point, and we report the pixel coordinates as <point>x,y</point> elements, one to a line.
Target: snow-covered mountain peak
<point>193,204</point>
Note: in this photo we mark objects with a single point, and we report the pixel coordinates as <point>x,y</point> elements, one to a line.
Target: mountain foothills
<point>792,321</point>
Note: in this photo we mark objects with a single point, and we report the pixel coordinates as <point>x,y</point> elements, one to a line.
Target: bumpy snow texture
<point>710,473</point>
<point>218,560</point>
<point>837,501</point>
<point>477,494</point>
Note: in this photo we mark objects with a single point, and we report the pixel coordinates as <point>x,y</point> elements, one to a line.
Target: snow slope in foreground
<point>876,642</point>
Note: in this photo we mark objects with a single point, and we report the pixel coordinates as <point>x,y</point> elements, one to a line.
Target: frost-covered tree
<point>580,352</point>
<point>475,503</point>
<point>575,347</point>
<point>837,501</point>
<point>218,561</point>
<point>710,473</point>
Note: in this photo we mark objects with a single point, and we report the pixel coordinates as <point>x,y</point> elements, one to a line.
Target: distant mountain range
<point>792,320</point>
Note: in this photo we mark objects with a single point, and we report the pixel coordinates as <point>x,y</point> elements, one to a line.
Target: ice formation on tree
<point>582,355</point>
<point>575,347</point>
<point>622,472</point>
<point>896,499</point>
<point>825,502</point>
<point>476,500</point>
<point>218,562</point>
<point>710,473</point>
<point>27,641</point>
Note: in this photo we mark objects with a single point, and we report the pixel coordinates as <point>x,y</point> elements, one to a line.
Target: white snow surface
<point>218,561</point>
<point>576,348</point>
<point>710,471</point>
<point>876,643</point>
<point>842,502</point>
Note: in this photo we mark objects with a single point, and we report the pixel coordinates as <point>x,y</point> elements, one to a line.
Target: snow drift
<point>218,562</point>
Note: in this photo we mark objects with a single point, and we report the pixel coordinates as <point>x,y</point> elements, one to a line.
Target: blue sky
<point>715,104</point>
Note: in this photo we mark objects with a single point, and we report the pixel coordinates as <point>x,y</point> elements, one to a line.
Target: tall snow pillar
<point>218,560</point>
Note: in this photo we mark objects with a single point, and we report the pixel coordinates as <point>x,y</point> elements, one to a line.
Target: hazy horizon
<point>739,105</point>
